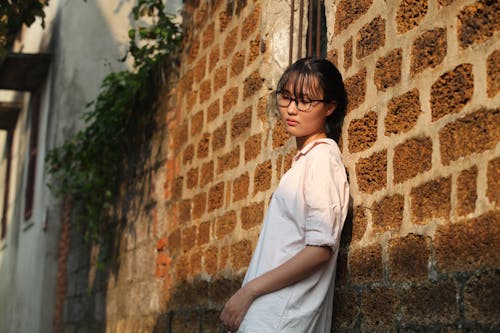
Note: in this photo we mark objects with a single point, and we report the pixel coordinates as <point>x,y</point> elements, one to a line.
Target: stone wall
<point>420,251</point>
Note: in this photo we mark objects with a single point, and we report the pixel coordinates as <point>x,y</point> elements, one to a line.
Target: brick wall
<point>420,142</point>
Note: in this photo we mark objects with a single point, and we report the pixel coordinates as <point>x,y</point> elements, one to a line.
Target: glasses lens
<point>283,101</point>
<point>303,105</point>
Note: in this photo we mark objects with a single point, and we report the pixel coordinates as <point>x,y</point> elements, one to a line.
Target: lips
<point>291,122</point>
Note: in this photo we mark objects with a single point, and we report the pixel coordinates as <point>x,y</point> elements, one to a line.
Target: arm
<point>295,269</point>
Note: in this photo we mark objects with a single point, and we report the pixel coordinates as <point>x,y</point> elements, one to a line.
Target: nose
<point>292,107</point>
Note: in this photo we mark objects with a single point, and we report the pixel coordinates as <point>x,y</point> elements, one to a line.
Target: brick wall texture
<point>421,249</point>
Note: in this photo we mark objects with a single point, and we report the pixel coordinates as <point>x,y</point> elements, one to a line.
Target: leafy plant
<point>15,13</point>
<point>89,167</point>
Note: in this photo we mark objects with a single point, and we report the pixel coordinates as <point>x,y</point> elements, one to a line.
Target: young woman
<point>289,284</point>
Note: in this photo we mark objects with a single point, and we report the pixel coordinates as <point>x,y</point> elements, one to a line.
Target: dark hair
<point>318,74</point>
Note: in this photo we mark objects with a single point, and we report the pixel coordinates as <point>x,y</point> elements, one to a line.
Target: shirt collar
<point>307,148</point>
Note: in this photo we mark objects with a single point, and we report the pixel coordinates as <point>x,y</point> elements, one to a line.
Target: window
<point>29,193</point>
<point>315,37</point>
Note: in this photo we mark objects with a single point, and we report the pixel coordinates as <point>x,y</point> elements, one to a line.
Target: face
<point>309,125</point>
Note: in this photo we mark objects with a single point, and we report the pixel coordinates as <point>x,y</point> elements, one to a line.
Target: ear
<point>330,108</point>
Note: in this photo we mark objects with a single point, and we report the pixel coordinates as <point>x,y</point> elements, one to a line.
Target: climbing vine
<point>14,14</point>
<point>90,166</point>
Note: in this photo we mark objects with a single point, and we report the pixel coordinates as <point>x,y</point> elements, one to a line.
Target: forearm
<point>297,268</point>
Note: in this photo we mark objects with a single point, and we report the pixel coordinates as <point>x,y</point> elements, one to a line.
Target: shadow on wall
<point>93,271</point>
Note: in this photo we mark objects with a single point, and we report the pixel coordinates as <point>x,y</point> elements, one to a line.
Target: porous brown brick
<point>188,154</point>
<point>468,245</point>
<point>192,178</point>
<point>224,257</point>
<point>220,77</point>
<point>174,241</point>
<point>193,51</point>
<point>225,16</point>
<point>185,321</point>
<point>362,132</point>
<point>262,109</point>
<point>240,5</point>
<point>349,11</point>
<point>411,158</point>
<point>410,14</point>
<point>379,307</point>
<point>204,146</point>
<point>256,47</point>
<point>204,233</point>
<point>177,187</point>
<point>195,265</point>
<point>429,303</point>
<point>280,135</point>
<point>466,191</point>
<point>473,133</point>
<point>188,238</point>
<point>208,35</point>
<point>365,264</point>
<point>241,123</point>
<point>205,90</point>
<point>213,58</point>
<point>240,187</point>
<point>229,160</point>
<point>210,260</point>
<point>230,42</point>
<point>250,23</point>
<point>370,38</point>
<point>371,172</point>
<point>206,173</point>
<point>262,177</point>
<point>428,50</point>
<point>252,84</point>
<point>184,211</point>
<point>199,70</point>
<point>348,54</point>
<point>431,200</point>
<point>408,258</point>
<point>493,181</point>
<point>481,297</point>
<point>219,137</point>
<point>359,222</point>
<point>216,196</point>
<point>199,205</point>
<point>402,113</point>
<point>356,89</point>
<point>237,63</point>
<point>180,136</point>
<point>196,123</point>
<point>191,99</point>
<point>493,71</point>
<point>229,100</point>
<point>287,161</point>
<point>213,111</point>
<point>241,253</point>
<point>388,70</point>
<point>387,214</point>
<point>345,309</point>
<point>225,224</point>
<point>452,91</point>
<point>252,147</point>
<point>478,22</point>
<point>252,215</point>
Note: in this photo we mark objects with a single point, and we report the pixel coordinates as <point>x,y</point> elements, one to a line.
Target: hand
<point>236,308</point>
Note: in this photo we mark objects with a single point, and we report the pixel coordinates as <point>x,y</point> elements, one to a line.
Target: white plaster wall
<point>86,39</point>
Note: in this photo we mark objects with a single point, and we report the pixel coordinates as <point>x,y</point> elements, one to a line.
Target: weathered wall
<point>420,142</point>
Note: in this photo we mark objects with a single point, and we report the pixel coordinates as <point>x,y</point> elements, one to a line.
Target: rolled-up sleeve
<point>326,195</point>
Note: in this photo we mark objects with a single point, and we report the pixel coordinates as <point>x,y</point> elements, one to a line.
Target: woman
<point>289,283</point>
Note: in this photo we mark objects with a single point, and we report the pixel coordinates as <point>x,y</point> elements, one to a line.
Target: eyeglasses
<point>302,104</point>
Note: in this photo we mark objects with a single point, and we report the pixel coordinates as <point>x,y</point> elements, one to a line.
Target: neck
<point>303,141</point>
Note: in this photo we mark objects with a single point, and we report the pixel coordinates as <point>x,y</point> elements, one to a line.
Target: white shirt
<point>308,208</point>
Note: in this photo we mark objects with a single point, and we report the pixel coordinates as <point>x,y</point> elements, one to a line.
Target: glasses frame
<point>295,100</point>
